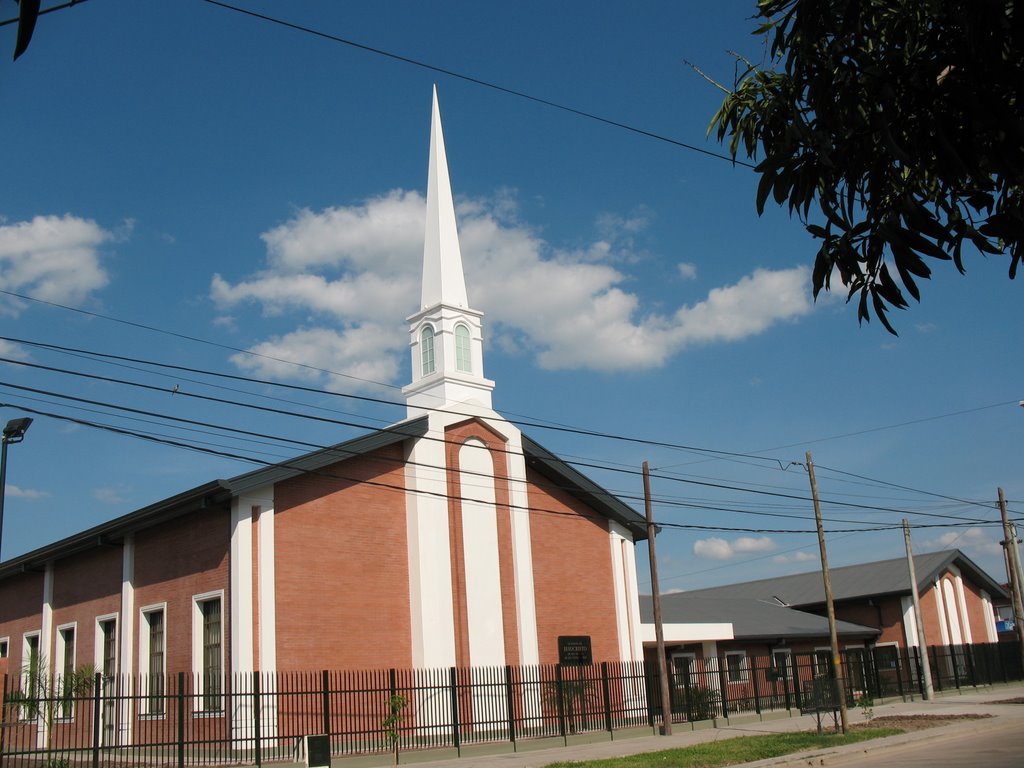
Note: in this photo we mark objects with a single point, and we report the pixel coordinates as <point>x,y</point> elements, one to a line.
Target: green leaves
<point>28,13</point>
<point>894,131</point>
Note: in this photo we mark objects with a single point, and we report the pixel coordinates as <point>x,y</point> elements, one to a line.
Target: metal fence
<point>264,717</point>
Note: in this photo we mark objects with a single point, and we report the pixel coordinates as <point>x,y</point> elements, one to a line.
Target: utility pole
<point>1010,542</point>
<point>659,632</point>
<point>837,662</point>
<point>926,668</point>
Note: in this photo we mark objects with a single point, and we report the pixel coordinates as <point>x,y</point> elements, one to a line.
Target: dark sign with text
<point>574,650</point>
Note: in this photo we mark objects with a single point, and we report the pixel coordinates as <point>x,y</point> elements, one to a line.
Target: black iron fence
<point>263,717</point>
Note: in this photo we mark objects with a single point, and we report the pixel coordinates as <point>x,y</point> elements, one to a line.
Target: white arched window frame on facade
<point>463,350</point>
<point>427,349</point>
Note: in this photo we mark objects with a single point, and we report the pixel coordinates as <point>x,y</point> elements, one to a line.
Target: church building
<point>449,539</point>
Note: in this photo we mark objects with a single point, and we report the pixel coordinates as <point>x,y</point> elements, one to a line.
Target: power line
<point>478,81</point>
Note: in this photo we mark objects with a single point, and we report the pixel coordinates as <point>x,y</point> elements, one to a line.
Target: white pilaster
<point>127,631</point>
<point>430,573</point>
<point>241,586</point>
<point>267,595</point>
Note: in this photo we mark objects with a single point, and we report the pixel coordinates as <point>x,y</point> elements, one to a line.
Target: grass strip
<point>742,749</point>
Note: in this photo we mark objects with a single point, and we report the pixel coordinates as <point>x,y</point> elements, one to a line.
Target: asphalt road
<point>1000,747</point>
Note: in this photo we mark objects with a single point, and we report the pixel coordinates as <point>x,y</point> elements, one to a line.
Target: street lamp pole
<point>14,432</point>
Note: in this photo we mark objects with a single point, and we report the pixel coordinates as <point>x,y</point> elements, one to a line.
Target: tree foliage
<point>901,121</point>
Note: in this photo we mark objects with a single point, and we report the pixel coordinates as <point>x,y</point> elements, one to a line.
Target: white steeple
<point>446,335</point>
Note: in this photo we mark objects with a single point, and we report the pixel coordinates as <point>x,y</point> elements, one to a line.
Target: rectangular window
<point>151,659</point>
<point>782,664</point>
<point>683,668</point>
<point>736,666</point>
<point>208,650</point>
<point>30,674</point>
<point>66,661</point>
<point>823,662</point>
<point>4,645</point>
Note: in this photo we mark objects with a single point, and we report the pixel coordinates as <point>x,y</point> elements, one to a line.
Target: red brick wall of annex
<point>21,611</point>
<point>976,612</point>
<point>572,572</point>
<point>175,561</point>
<point>342,573</point>
<point>85,585</point>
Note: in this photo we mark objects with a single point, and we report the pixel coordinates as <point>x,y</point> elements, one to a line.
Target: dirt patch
<point>1018,700</point>
<point>916,722</point>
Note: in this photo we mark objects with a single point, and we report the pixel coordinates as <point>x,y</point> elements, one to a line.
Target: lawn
<point>733,751</point>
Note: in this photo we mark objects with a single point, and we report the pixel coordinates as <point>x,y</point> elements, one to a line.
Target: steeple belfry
<point>446,334</point>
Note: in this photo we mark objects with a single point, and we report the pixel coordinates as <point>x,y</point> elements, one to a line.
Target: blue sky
<point>238,185</point>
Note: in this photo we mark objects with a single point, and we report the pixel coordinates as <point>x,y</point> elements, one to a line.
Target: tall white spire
<point>446,334</point>
<point>443,280</point>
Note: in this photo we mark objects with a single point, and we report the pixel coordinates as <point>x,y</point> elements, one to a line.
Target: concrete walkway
<point>980,701</point>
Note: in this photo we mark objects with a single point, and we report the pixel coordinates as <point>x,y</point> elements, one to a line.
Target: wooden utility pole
<point>1013,559</point>
<point>659,632</point>
<point>837,662</point>
<point>926,667</point>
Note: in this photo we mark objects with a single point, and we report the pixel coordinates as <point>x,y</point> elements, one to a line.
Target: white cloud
<point>974,541</point>
<point>14,351</point>
<point>352,275</point>
<point>53,258</point>
<point>715,548</point>
<point>796,557</point>
<point>687,271</point>
<point>14,492</point>
<point>109,495</point>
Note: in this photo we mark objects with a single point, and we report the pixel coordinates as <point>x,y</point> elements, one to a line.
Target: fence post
<point>935,666</point>
<point>560,692</point>
<point>3,711</point>
<point>785,679</point>
<point>956,666</point>
<point>606,691</point>
<point>753,677</point>
<point>181,720</point>
<point>97,684</point>
<point>256,717</point>
<point>453,687</point>
<point>650,691</point>
<point>325,702</point>
<point>796,681</point>
<point>723,684</point>
<point>969,653</point>
<point>510,704</point>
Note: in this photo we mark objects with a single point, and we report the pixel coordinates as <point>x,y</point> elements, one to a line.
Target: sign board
<point>318,751</point>
<point>574,650</point>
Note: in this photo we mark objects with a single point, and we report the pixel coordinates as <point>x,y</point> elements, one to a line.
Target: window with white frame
<point>5,646</point>
<point>65,668</point>
<point>208,649</point>
<point>736,666</point>
<point>427,349</point>
<point>782,664</point>
<point>463,350</point>
<point>31,672</point>
<point>152,658</point>
<point>822,661</point>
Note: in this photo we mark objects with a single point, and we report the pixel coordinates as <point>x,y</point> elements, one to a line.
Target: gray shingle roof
<point>751,618</point>
<point>885,577</point>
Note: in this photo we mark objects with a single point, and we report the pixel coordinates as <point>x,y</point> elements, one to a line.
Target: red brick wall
<point>175,561</point>
<point>85,586</point>
<point>977,613</point>
<point>21,608</point>
<point>342,566</point>
<point>572,572</point>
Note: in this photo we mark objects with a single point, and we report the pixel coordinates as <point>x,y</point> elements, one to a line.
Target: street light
<point>14,432</point>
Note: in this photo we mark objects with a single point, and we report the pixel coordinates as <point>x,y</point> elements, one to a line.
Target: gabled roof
<point>751,619</point>
<point>852,582</point>
<point>578,485</point>
<point>218,493</point>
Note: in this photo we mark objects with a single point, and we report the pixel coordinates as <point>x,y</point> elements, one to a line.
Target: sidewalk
<point>982,701</point>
